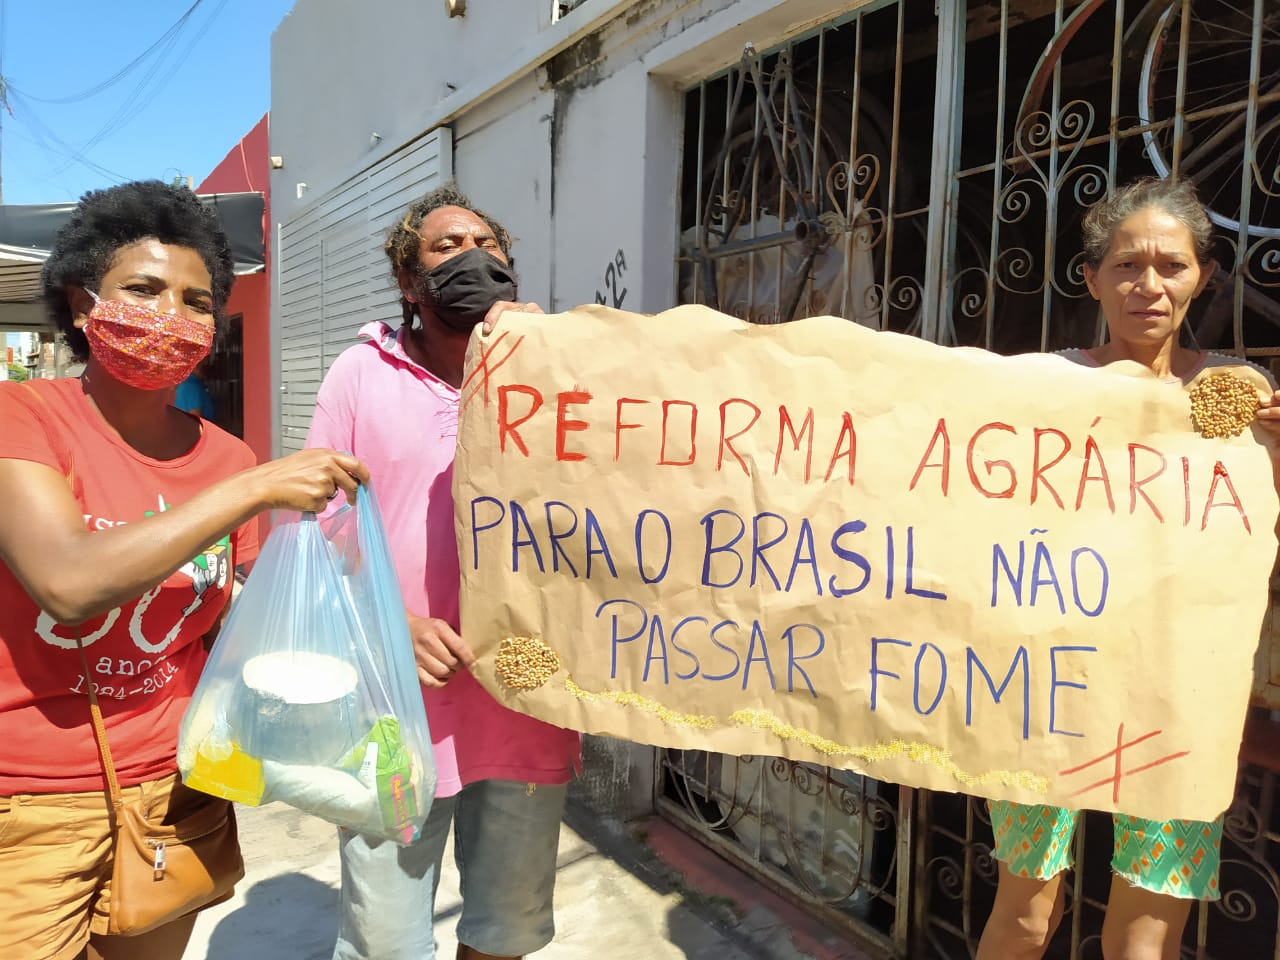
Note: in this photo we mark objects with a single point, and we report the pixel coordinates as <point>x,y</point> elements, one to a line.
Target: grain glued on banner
<point>1014,577</point>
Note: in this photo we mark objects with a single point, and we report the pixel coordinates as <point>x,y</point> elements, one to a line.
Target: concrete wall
<point>569,133</point>
<point>342,72</point>
<point>502,160</point>
<point>618,137</point>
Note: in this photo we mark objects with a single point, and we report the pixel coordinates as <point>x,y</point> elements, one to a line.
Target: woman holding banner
<point>1146,251</point>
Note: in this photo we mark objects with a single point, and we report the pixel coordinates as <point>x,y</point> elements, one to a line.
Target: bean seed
<point>525,663</point>
<point>1223,405</point>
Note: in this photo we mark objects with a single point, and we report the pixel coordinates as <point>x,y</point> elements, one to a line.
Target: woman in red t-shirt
<point>123,521</point>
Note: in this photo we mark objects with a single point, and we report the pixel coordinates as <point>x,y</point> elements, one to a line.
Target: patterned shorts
<point>1178,858</point>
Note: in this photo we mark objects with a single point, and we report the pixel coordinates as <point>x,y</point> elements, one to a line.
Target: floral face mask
<point>143,347</point>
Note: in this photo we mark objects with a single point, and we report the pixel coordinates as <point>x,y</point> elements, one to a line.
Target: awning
<point>27,232</point>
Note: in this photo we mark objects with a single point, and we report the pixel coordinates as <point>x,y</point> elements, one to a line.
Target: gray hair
<point>1177,198</point>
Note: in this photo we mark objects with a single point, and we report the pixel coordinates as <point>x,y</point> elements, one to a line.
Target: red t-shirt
<point>145,656</point>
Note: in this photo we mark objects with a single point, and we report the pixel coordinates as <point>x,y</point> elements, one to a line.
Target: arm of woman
<point>74,574</point>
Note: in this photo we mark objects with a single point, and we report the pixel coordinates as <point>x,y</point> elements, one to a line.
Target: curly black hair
<point>107,220</point>
<point>403,239</point>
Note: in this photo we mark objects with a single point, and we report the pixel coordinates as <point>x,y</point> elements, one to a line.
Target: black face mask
<point>461,290</point>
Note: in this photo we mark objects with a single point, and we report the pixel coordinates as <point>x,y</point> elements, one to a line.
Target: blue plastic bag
<point>311,695</point>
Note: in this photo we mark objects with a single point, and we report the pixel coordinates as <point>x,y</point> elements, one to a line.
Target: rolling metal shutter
<point>332,273</point>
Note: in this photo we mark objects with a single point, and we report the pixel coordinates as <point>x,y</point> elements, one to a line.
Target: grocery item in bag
<point>311,696</point>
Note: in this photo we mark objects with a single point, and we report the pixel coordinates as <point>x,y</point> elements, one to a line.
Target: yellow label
<point>223,770</point>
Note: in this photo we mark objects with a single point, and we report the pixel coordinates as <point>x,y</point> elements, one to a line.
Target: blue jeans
<point>505,839</point>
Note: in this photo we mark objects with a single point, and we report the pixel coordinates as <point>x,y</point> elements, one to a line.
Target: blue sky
<point>178,112</point>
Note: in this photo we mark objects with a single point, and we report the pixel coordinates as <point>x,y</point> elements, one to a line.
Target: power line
<point>137,100</point>
<point>4,86</point>
<point>134,103</point>
<point>51,143</point>
<point>166,38</point>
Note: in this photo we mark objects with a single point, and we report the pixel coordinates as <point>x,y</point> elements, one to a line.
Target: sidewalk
<point>615,897</point>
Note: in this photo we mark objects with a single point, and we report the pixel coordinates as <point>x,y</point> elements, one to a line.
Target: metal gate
<point>926,171</point>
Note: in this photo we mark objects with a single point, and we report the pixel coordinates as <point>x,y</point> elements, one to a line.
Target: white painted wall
<point>599,205</point>
<point>502,161</point>
<point>608,124</point>
<point>568,132</point>
<point>618,125</point>
<point>341,72</point>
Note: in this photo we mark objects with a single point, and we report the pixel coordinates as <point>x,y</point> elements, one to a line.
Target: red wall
<point>245,169</point>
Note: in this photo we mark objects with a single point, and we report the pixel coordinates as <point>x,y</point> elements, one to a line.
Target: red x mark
<point>484,371</point>
<point>1119,771</point>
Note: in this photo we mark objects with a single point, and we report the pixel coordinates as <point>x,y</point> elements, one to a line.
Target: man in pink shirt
<point>502,775</point>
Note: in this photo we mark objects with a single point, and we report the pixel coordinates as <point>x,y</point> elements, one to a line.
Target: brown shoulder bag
<point>163,871</point>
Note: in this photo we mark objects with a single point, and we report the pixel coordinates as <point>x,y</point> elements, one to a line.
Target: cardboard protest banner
<point>1014,577</point>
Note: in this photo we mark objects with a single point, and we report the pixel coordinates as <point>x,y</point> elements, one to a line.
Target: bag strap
<point>99,729</point>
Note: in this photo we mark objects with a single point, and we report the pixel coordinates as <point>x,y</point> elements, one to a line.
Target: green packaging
<point>383,759</point>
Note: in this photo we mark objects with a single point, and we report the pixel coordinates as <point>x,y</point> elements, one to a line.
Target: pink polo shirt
<point>405,428</point>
